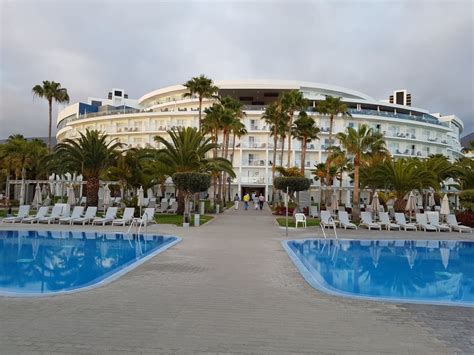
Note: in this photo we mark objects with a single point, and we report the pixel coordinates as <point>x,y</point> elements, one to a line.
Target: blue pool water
<point>34,263</point>
<point>432,272</point>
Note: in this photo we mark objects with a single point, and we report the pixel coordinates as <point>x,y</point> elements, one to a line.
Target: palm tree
<point>90,155</point>
<point>291,102</point>
<point>22,156</point>
<point>51,91</point>
<point>337,158</point>
<point>402,176</point>
<point>203,87</point>
<point>305,131</point>
<point>360,143</point>
<point>275,118</point>
<point>333,107</point>
<point>186,151</point>
<point>320,174</point>
<point>464,173</point>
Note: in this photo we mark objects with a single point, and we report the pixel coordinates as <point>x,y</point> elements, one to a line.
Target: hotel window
<point>350,124</point>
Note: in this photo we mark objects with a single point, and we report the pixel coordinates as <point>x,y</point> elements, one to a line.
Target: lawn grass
<point>310,222</point>
<point>3,213</point>
<point>177,219</point>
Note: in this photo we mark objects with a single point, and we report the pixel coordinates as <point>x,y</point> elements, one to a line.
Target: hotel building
<point>408,131</point>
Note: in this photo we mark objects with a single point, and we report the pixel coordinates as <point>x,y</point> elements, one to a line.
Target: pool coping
<point>116,275</point>
<point>316,284</point>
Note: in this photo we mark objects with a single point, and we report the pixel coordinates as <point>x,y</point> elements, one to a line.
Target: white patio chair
<point>76,213</point>
<point>43,211</point>
<point>300,218</point>
<point>385,221</point>
<point>54,216</point>
<point>453,223</point>
<point>344,220</point>
<point>366,218</point>
<point>109,216</point>
<point>88,216</point>
<point>23,212</point>
<point>433,219</point>
<point>422,223</point>
<point>126,218</point>
<point>402,222</point>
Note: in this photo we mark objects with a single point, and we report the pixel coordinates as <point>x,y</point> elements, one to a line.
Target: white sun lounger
<point>173,208</point>
<point>54,216</point>
<point>126,218</point>
<point>433,219</point>
<point>422,223</point>
<point>327,220</point>
<point>344,220</point>
<point>402,222</point>
<point>163,207</point>
<point>385,221</point>
<point>43,211</point>
<point>453,223</point>
<point>366,218</point>
<point>23,212</point>
<point>109,217</point>
<point>88,216</point>
<point>76,213</point>
<point>148,216</point>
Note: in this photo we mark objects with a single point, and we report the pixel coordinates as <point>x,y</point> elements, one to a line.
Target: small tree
<point>293,183</point>
<point>188,184</point>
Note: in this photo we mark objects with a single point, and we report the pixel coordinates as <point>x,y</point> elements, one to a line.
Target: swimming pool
<point>40,263</point>
<point>421,271</point>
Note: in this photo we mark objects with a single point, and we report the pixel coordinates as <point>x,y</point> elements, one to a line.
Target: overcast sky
<point>370,46</point>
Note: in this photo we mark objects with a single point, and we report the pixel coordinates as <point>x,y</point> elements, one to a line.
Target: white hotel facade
<point>408,131</point>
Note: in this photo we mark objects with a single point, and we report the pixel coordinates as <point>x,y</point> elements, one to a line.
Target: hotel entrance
<point>252,189</point>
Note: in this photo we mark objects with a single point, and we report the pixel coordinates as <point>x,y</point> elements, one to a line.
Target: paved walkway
<point>228,287</point>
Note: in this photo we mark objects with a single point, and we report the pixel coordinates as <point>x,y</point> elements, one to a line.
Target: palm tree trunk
<point>289,141</point>
<point>275,142</point>
<point>303,156</point>
<point>92,190</point>
<point>200,111</point>
<point>282,150</point>
<point>340,187</point>
<point>328,166</point>
<point>355,200</point>
<point>50,124</point>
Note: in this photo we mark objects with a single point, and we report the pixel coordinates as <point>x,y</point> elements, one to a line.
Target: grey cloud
<point>90,47</point>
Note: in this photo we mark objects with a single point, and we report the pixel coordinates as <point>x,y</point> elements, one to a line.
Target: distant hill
<point>466,139</point>
<point>44,139</point>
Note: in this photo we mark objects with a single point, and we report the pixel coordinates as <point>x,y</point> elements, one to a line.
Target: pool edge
<point>308,277</point>
<point>103,282</point>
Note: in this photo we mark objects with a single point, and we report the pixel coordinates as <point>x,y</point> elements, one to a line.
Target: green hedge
<point>192,182</point>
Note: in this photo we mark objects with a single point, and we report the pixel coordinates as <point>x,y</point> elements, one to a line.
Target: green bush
<point>466,198</point>
<point>293,183</point>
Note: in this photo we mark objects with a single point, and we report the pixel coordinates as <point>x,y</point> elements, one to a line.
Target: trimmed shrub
<point>294,183</point>
<point>466,198</point>
<point>192,182</point>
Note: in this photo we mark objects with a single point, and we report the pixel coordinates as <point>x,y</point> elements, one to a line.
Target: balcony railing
<point>254,180</point>
<point>256,162</point>
<point>425,118</point>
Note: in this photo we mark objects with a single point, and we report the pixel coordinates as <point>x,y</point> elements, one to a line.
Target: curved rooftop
<point>256,84</point>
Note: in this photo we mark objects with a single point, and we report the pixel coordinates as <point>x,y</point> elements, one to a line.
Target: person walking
<point>246,201</point>
<point>236,201</point>
<point>255,200</point>
<point>261,201</point>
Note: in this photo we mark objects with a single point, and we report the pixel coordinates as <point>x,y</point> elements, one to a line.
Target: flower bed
<point>466,218</point>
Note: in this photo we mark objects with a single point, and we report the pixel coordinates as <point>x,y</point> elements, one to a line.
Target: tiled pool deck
<point>229,287</point>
